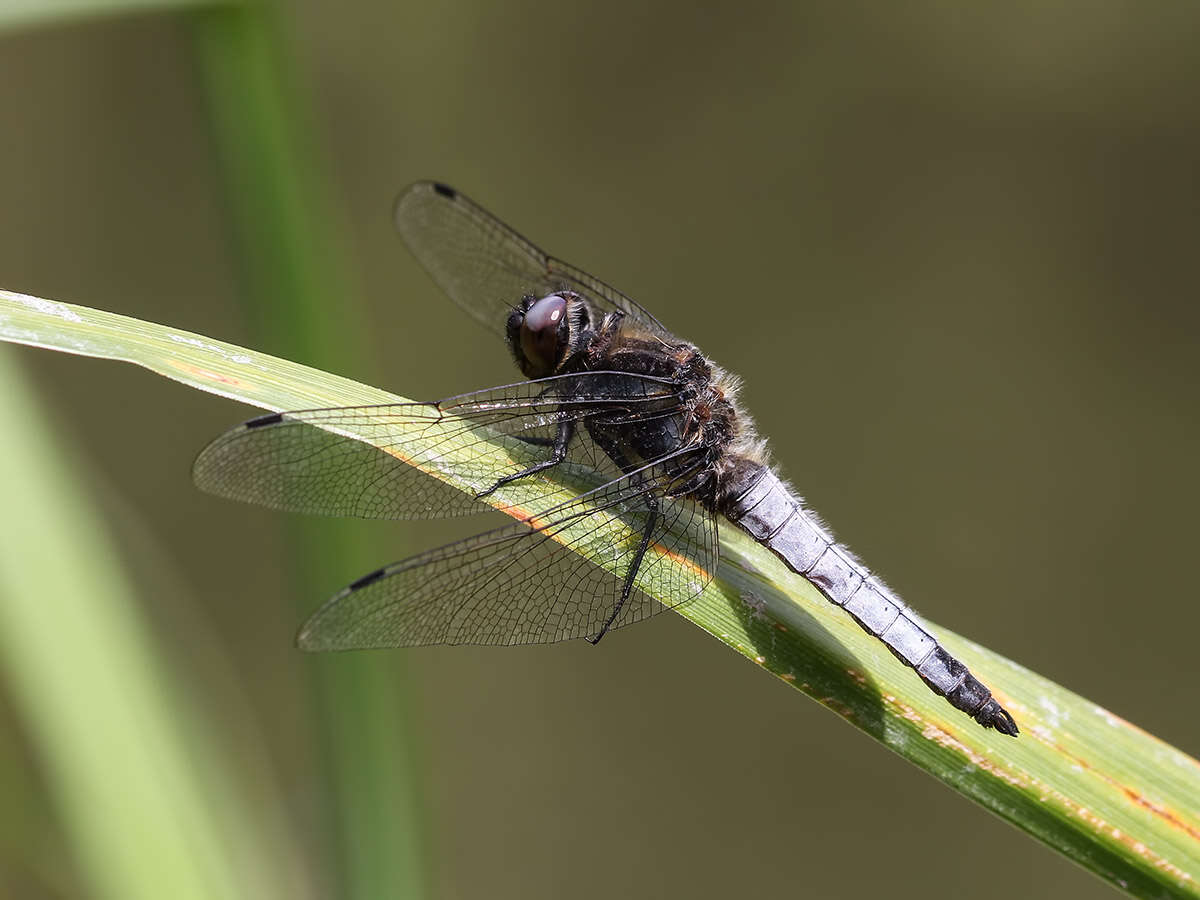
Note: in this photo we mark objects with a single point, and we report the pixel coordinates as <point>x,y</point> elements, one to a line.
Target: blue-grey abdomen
<point>760,503</point>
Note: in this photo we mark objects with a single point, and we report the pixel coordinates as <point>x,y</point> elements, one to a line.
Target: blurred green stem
<point>111,727</point>
<point>292,264</point>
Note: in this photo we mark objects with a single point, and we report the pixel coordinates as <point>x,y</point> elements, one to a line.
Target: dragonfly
<point>646,428</point>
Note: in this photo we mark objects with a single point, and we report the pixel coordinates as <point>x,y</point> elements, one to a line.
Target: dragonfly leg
<point>566,431</point>
<point>634,566</point>
<point>536,441</point>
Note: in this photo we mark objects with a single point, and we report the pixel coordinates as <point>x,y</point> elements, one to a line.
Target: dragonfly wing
<point>384,462</point>
<point>485,266</point>
<point>537,581</point>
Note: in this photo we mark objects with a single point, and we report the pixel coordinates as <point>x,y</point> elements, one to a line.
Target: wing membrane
<point>520,584</point>
<point>383,462</point>
<point>485,266</point>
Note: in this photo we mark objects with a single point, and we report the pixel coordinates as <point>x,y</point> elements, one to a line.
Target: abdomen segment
<point>762,505</point>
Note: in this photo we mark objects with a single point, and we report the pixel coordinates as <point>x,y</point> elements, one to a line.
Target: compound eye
<point>543,334</point>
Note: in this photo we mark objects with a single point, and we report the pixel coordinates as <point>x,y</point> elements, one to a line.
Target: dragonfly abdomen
<point>761,504</point>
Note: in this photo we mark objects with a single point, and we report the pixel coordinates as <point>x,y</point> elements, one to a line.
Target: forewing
<point>532,582</point>
<point>394,461</point>
<point>487,267</point>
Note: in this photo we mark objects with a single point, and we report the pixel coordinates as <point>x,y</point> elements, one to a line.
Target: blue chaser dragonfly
<point>610,392</point>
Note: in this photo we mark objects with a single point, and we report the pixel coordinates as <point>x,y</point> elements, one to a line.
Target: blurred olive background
<point>953,255</point>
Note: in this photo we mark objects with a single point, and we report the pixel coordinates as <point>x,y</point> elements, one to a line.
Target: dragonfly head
<point>545,332</point>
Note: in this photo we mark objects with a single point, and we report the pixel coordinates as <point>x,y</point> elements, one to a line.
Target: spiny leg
<point>536,441</point>
<point>566,431</point>
<point>680,484</point>
<point>631,573</point>
<point>617,455</point>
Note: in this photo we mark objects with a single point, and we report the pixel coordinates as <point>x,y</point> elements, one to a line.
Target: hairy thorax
<point>709,415</point>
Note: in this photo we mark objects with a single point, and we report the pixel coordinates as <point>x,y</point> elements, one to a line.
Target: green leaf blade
<point>1116,800</point>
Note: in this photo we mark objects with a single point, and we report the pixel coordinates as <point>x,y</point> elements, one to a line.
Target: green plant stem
<point>290,258</point>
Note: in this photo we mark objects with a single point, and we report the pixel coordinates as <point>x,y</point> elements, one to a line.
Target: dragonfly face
<point>650,422</point>
<point>544,333</point>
